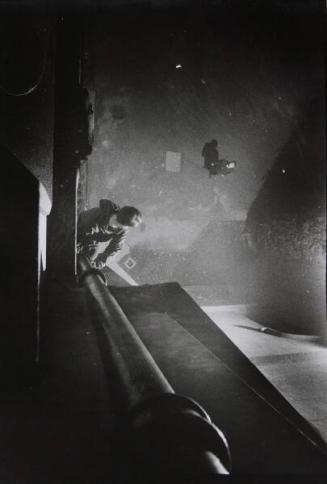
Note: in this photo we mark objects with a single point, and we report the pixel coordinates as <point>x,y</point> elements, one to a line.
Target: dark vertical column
<point>71,145</point>
<point>19,209</point>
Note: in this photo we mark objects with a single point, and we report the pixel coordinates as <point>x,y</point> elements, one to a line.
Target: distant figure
<point>210,154</point>
<point>101,231</point>
<point>213,163</point>
<point>227,167</point>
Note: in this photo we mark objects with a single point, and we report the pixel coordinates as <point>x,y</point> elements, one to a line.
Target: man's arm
<point>114,246</point>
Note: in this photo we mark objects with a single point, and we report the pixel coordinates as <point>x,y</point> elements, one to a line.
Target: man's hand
<point>100,261</point>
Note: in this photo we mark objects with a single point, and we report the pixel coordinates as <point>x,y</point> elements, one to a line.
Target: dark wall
<point>26,139</point>
<point>26,89</point>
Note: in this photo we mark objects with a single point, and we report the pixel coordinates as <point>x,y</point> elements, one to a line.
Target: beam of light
<point>114,266</point>
<point>179,66</point>
<point>45,206</point>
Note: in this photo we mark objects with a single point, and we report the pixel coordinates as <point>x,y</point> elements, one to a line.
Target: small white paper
<point>173,161</point>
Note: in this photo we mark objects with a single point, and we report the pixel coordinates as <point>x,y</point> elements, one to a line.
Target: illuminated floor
<point>295,365</point>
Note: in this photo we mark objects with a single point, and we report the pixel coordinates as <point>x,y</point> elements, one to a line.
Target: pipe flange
<point>168,403</point>
<point>174,433</point>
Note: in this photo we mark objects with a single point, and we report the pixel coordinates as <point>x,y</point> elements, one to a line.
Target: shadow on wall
<point>286,230</point>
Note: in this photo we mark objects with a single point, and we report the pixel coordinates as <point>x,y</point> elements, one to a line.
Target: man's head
<point>129,217</point>
<point>214,142</point>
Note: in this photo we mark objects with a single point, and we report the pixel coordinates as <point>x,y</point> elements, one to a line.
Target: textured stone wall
<point>172,83</point>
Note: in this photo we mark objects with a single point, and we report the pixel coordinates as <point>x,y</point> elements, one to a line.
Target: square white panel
<point>173,161</point>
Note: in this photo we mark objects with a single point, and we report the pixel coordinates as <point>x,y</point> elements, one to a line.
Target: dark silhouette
<point>210,155</point>
<point>213,163</point>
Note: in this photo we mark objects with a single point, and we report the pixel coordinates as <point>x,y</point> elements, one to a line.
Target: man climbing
<point>101,231</point>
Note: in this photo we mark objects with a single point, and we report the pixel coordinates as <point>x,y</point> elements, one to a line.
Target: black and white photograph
<point>163,242</point>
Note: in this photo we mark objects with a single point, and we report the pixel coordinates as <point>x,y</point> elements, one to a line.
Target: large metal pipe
<point>161,432</point>
<point>139,375</point>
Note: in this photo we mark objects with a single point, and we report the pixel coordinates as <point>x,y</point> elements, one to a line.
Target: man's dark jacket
<point>93,228</point>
